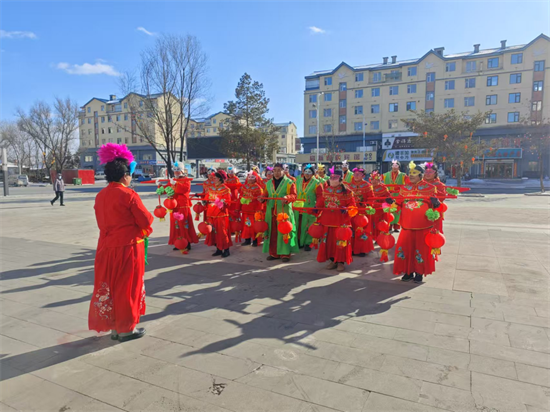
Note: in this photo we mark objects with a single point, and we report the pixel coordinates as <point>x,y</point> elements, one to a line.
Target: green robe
<point>399,180</point>
<point>283,190</point>
<point>348,177</point>
<point>306,198</point>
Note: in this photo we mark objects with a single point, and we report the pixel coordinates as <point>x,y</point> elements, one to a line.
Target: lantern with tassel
<point>170,204</point>
<point>204,228</point>
<point>198,209</point>
<point>316,231</point>
<point>360,221</point>
<point>386,242</point>
<point>260,227</point>
<point>383,226</point>
<point>285,227</point>
<point>435,240</point>
<point>160,212</point>
<point>181,243</point>
<point>343,236</point>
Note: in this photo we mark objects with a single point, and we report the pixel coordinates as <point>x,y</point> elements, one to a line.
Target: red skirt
<point>221,233</point>
<point>328,248</point>
<point>362,240</point>
<point>118,300</point>
<point>412,254</point>
<point>185,228</point>
<point>248,227</point>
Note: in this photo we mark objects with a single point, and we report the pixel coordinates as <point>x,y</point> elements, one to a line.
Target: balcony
<point>393,77</point>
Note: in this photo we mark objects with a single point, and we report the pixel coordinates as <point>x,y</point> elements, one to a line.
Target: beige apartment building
<point>507,80</point>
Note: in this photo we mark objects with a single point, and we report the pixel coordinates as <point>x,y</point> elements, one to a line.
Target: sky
<point>78,48</point>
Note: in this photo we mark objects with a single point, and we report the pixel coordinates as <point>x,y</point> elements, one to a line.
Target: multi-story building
<point>509,81</point>
<point>287,137</point>
<point>111,121</point>
<point>207,126</point>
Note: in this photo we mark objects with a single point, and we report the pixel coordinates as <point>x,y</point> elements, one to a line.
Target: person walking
<point>59,189</point>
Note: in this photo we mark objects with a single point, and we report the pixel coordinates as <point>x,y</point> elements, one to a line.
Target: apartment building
<point>287,137</point>
<point>507,80</point>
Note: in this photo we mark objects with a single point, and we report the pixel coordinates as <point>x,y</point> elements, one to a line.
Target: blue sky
<point>273,41</point>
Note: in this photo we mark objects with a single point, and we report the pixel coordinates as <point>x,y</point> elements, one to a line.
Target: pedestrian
<point>59,189</point>
<point>118,299</point>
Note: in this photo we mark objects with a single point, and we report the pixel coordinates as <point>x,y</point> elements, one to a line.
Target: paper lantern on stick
<point>160,212</point>
<point>316,231</point>
<point>285,227</point>
<point>198,209</point>
<point>435,240</point>
<point>386,242</point>
<point>170,204</point>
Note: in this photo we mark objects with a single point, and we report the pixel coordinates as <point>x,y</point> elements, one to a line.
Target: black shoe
<point>217,253</point>
<point>395,230</point>
<point>271,258</point>
<point>307,248</point>
<point>188,247</point>
<point>61,205</point>
<point>407,278</point>
<point>286,260</point>
<point>175,248</point>
<point>255,243</point>
<point>114,337</point>
<point>362,254</point>
<point>51,202</point>
<point>246,242</point>
<point>139,333</point>
<point>418,278</point>
<point>225,253</point>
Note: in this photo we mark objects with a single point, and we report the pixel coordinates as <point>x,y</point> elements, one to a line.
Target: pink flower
<point>178,216</point>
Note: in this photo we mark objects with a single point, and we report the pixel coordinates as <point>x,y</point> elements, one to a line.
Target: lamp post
<point>318,107</point>
<point>364,144</point>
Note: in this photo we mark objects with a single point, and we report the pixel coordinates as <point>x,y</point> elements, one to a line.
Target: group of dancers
<point>340,214</point>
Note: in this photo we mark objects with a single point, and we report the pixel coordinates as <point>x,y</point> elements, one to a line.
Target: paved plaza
<point>243,334</point>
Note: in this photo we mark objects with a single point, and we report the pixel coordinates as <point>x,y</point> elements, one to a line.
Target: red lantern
<point>435,240</point>
<point>383,226</point>
<point>442,208</point>
<point>388,217</point>
<point>343,236</point>
<point>181,243</point>
<point>285,228</point>
<point>170,204</point>
<point>316,231</point>
<point>205,228</point>
<point>360,221</point>
<point>236,227</point>
<point>160,212</point>
<point>260,226</point>
<point>386,242</point>
<point>198,209</point>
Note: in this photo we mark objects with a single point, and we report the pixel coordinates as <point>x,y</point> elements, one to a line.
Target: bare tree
<point>19,144</point>
<point>171,88</point>
<point>52,129</point>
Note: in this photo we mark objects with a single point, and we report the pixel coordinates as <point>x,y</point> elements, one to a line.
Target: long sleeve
<point>320,202</point>
<point>292,194</point>
<point>143,217</point>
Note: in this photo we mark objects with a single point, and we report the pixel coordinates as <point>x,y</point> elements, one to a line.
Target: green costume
<point>306,198</point>
<point>283,190</point>
<point>348,177</point>
<point>387,178</point>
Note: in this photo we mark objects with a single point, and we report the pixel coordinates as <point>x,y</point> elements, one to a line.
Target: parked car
<point>99,175</point>
<point>18,180</point>
<point>241,174</point>
<point>143,178</point>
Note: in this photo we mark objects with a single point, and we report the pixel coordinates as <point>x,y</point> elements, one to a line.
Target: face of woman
<point>126,180</point>
<point>358,175</point>
<point>277,172</point>
<point>216,179</point>
<point>334,180</point>
<point>251,179</point>
<point>375,182</point>
<point>321,172</point>
<point>395,167</point>
<point>307,174</point>
<point>415,178</point>
<point>430,174</point>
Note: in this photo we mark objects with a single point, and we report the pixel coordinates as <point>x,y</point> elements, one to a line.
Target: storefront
<point>404,156</point>
<point>503,165</point>
<point>354,159</point>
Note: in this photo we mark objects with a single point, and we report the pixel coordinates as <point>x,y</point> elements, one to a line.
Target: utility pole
<point>318,107</point>
<point>5,171</point>
<point>364,146</point>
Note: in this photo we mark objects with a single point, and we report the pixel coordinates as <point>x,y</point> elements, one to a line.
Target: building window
<point>375,108</point>
<point>83,121</point>
<point>375,92</point>
<point>539,67</point>
<point>102,119</point>
<point>312,129</point>
<point>449,103</point>
<point>492,63</point>
<point>313,98</point>
<point>470,83</point>
<point>119,140</point>
<point>118,118</point>
<point>89,131</point>
<point>450,67</point>
<point>411,88</point>
<point>394,90</point>
<point>327,128</point>
<point>343,119</point>
<point>102,130</point>
<point>376,77</point>
<point>514,97</point>
<point>470,66</point>
<point>358,77</point>
<point>109,130</point>
<point>429,110</point>
<point>312,84</point>
<point>515,78</point>
<point>411,71</point>
<point>109,119</point>
<point>491,118</point>
<point>358,126</point>
<point>491,99</point>
<point>449,85</point>
<point>125,117</point>
<point>411,106</point>
<point>312,115</point>
<point>429,96</point>
<point>492,80</point>
<point>118,129</point>
<point>141,103</point>
<point>536,106</point>
<point>89,120</point>
<point>359,93</point>
<point>208,130</point>
<point>358,109</point>
<point>375,125</point>
<point>328,97</point>
<point>516,58</point>
<point>343,103</point>
<point>89,109</point>
<point>394,107</point>
<point>102,108</point>
<point>125,105</point>
<point>430,77</point>
<point>343,87</point>
<point>537,86</point>
<point>327,112</point>
<point>469,101</point>
<point>328,81</point>
<point>88,158</point>
<point>392,124</point>
<point>513,117</point>
<point>214,121</point>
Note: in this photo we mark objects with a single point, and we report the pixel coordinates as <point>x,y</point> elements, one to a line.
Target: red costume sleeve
<point>320,202</point>
<point>143,217</point>
<point>292,194</point>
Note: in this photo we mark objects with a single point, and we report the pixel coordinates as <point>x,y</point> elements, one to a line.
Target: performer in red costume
<point>217,214</point>
<point>234,184</point>
<point>381,192</point>
<point>287,173</point>
<point>362,191</point>
<point>268,173</point>
<point>124,223</point>
<point>337,198</point>
<point>181,220</point>
<point>432,178</point>
<point>250,192</point>
<point>413,258</point>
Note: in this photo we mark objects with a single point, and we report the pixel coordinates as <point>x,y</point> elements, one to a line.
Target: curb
<point>538,194</point>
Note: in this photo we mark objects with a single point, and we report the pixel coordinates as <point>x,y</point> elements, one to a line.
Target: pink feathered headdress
<point>111,151</point>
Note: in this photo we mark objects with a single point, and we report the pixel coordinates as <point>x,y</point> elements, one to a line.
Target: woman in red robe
<point>381,192</point>
<point>250,192</point>
<point>362,190</point>
<point>432,178</point>
<point>217,214</point>
<point>234,184</point>
<point>335,199</point>
<point>181,220</point>
<point>413,258</point>
<point>124,223</point>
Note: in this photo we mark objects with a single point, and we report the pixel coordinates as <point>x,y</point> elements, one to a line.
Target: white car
<point>18,180</point>
<point>99,175</point>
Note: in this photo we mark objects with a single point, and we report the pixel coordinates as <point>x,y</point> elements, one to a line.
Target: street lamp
<point>317,106</point>
<point>364,144</point>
